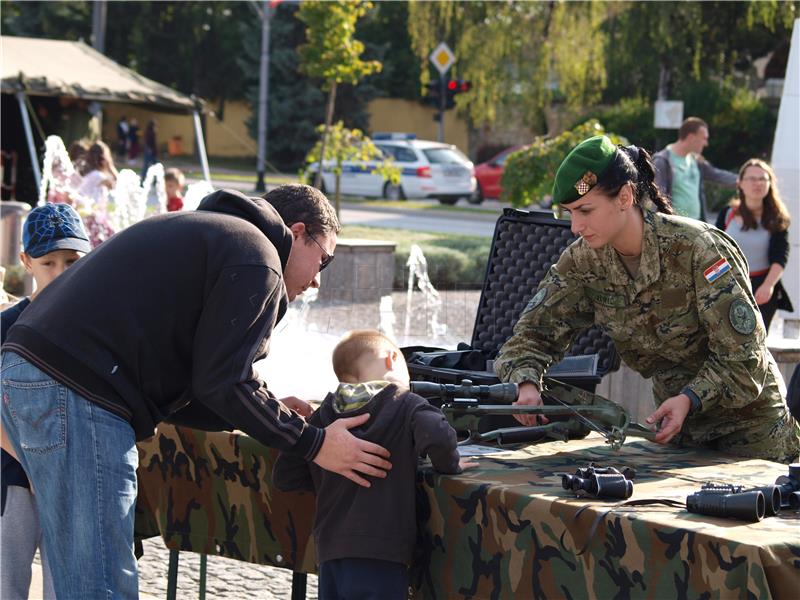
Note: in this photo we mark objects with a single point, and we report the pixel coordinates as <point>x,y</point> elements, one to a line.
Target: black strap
<point>601,517</point>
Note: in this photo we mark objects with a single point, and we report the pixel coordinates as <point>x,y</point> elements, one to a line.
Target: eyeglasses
<point>764,179</point>
<point>326,258</point>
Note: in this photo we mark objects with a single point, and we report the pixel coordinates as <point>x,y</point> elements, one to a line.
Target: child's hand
<point>466,463</point>
<point>301,407</point>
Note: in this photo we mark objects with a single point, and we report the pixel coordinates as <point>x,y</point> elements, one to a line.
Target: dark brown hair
<point>774,217</point>
<point>299,203</point>
<point>632,164</point>
<point>690,126</point>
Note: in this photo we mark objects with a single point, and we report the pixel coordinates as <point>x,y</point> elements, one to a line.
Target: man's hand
<point>764,293</point>
<point>529,396</point>
<point>301,407</point>
<point>345,454</point>
<point>671,414</point>
<point>467,463</point>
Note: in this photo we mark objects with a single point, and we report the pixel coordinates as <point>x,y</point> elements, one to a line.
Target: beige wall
<point>231,137</point>
<point>223,138</point>
<point>391,114</point>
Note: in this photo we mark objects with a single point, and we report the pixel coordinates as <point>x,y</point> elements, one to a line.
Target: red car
<point>489,175</point>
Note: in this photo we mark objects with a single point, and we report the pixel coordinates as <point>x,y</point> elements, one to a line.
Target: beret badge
<point>586,182</point>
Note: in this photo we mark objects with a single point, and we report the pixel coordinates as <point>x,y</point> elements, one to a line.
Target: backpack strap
<point>729,217</point>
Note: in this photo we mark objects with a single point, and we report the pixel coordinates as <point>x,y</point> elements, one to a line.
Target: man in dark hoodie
<point>164,319</point>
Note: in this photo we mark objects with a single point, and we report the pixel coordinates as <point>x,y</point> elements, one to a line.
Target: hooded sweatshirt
<point>380,521</point>
<point>171,313</point>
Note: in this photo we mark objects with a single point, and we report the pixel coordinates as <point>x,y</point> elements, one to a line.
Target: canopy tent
<point>43,67</point>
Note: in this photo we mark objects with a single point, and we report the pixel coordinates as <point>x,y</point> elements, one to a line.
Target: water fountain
<point>418,268</point>
<point>60,180</point>
<point>155,192</point>
<point>195,193</point>
<point>129,201</point>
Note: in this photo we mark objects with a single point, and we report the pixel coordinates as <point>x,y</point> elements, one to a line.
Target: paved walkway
<point>226,578</point>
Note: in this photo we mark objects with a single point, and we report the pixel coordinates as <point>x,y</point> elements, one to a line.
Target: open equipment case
<point>524,246</point>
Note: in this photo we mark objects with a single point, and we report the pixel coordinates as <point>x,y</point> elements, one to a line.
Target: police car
<point>428,170</point>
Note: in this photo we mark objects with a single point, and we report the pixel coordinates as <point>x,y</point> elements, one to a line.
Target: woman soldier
<point>674,295</point>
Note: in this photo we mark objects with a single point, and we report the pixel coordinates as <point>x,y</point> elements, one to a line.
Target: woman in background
<point>759,222</point>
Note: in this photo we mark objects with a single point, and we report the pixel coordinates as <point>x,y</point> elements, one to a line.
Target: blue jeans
<point>362,579</point>
<point>81,461</point>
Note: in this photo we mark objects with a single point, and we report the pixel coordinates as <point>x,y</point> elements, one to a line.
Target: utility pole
<point>265,12</point>
<point>99,13</point>
<point>442,58</point>
<point>442,101</point>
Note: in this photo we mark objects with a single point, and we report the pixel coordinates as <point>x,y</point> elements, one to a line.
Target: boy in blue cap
<point>53,239</point>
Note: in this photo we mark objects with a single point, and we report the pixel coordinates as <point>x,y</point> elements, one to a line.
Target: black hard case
<point>524,246</point>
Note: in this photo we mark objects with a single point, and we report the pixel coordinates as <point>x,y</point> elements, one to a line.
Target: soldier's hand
<point>671,415</point>
<point>763,293</point>
<point>301,407</point>
<point>529,396</point>
<point>345,454</point>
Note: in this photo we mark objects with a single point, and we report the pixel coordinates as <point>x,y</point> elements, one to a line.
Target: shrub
<point>529,172</point>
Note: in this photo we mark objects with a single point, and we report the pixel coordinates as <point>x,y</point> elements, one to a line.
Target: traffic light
<point>433,95</point>
<point>453,87</point>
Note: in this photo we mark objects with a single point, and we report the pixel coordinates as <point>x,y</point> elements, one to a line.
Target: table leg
<point>172,575</point>
<point>299,581</point>
<point>203,565</point>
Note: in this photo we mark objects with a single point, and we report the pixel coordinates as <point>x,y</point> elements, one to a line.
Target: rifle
<point>572,412</point>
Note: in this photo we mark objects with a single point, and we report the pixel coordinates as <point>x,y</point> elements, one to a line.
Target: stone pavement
<point>226,578</point>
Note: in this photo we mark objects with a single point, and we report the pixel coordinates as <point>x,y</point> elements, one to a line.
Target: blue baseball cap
<point>54,227</point>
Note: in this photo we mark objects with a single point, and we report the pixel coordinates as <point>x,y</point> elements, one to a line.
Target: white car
<point>428,170</point>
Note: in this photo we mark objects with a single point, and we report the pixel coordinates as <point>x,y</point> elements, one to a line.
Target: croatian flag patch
<point>717,270</point>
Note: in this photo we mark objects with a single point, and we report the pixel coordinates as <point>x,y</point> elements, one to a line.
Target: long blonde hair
<point>775,217</point>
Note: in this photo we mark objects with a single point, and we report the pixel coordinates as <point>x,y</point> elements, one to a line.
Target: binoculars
<point>730,501</point>
<point>600,482</point>
<point>789,488</point>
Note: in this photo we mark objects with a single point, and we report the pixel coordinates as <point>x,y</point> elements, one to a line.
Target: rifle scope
<point>498,393</point>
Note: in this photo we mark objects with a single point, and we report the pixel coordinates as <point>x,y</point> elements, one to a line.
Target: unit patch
<point>742,317</point>
<point>537,299</point>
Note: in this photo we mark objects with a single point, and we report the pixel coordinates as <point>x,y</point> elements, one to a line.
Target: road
<point>464,222</point>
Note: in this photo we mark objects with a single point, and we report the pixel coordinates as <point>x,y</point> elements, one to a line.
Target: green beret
<point>584,165</point>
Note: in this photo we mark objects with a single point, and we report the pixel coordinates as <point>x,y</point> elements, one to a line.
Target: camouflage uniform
<point>688,320</point>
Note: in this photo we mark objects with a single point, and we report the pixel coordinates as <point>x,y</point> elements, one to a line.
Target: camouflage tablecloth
<point>504,530</point>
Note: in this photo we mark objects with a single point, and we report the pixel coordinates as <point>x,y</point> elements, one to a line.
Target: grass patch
<point>278,179</point>
<point>454,261</point>
<point>415,205</point>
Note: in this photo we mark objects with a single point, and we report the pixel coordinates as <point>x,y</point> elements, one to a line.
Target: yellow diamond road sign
<point>442,58</point>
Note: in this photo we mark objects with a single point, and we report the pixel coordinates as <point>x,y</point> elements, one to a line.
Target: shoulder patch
<point>742,317</point>
<point>717,270</point>
<point>537,299</point>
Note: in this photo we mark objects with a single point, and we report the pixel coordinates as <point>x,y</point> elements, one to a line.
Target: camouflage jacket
<point>688,320</point>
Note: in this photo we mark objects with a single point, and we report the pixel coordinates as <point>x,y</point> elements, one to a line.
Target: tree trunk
<point>328,120</point>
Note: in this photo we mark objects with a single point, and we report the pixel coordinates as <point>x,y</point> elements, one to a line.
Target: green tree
<point>526,58</point>
<point>344,145</point>
<point>331,52</point>
<point>654,47</point>
<point>521,57</point>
